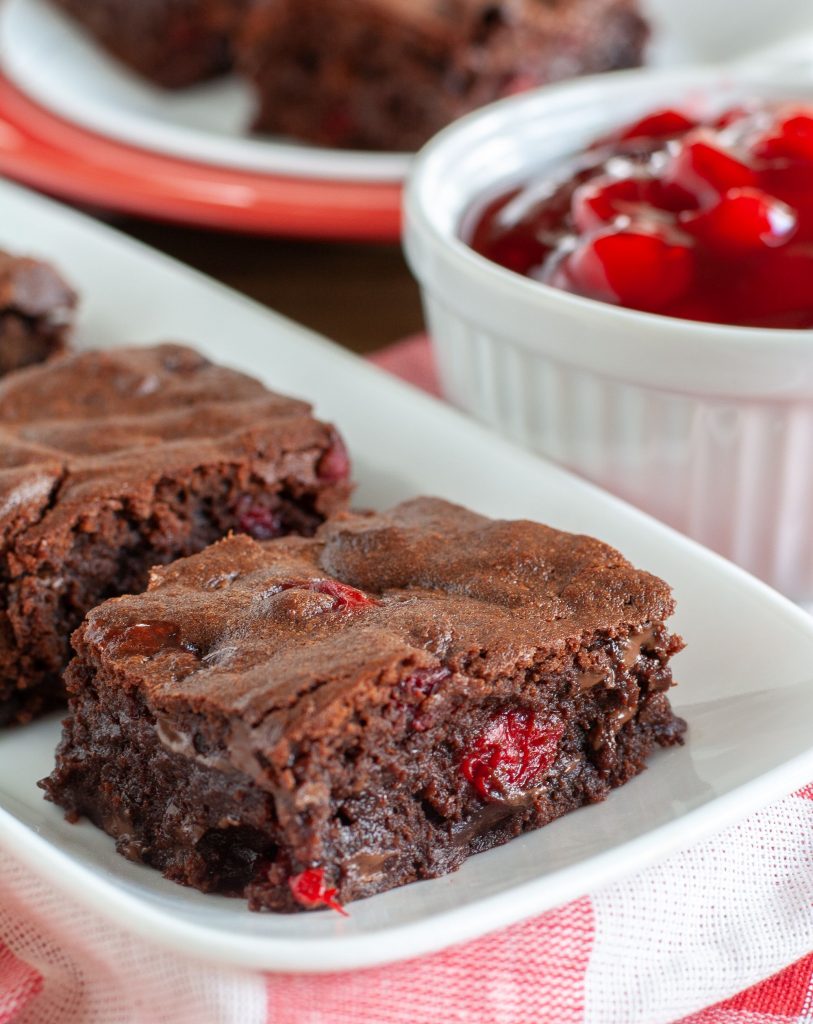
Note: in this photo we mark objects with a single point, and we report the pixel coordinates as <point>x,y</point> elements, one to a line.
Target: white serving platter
<point>746,678</point>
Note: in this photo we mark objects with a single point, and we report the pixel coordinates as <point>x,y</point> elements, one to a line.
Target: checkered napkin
<point>691,940</point>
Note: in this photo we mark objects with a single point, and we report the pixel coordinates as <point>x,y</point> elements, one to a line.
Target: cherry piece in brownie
<point>304,722</point>
<point>173,43</point>
<point>388,74</point>
<point>112,462</point>
<point>36,312</point>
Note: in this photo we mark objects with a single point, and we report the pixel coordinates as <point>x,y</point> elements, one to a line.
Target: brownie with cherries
<point>388,74</point>
<point>173,43</point>
<point>114,461</point>
<point>36,311</point>
<point>306,721</point>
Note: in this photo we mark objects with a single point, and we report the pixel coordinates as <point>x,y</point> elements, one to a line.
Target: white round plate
<point>47,56</point>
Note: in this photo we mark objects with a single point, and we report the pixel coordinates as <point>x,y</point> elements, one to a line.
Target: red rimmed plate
<point>49,153</point>
<point>80,126</point>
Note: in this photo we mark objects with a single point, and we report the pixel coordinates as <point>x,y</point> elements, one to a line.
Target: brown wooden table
<point>362,296</point>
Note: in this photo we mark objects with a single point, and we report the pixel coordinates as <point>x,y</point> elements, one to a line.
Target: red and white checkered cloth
<point>691,940</point>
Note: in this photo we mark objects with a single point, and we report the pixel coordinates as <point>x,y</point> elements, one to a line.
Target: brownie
<point>36,311</point>
<point>304,722</point>
<point>173,43</point>
<point>114,461</point>
<point>388,74</point>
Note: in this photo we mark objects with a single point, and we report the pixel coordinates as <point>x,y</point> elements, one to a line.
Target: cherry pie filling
<point>708,220</point>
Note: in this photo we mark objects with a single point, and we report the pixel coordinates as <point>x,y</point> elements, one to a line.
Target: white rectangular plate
<point>745,678</point>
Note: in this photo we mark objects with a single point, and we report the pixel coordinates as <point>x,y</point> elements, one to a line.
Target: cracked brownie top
<point>89,422</point>
<point>253,629</point>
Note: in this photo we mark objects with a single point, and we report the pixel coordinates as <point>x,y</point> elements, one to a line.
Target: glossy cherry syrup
<point>705,220</point>
<point>344,597</point>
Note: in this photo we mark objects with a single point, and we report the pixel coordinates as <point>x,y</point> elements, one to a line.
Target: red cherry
<point>334,465</point>
<point>518,249</point>
<point>599,201</point>
<point>345,598</point>
<point>512,754</point>
<point>768,147</point>
<point>663,124</point>
<point>257,519</point>
<point>309,889</point>
<point>668,198</point>
<point>790,139</point>
<point>424,681</point>
<point>699,308</point>
<point>705,171</point>
<point>146,639</point>
<point>798,132</point>
<point>776,291</point>
<point>636,268</point>
<point>489,222</point>
<point>731,116</point>
<point>419,685</point>
<point>745,218</point>
<point>791,182</point>
<point>602,200</point>
<point>796,122</point>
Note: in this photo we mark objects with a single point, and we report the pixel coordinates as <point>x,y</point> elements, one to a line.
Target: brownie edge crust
<point>37,309</point>
<point>304,722</point>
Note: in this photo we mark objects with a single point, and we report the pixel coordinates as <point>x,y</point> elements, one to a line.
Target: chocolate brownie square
<point>36,312</point>
<point>114,461</point>
<point>173,43</point>
<point>388,74</point>
<point>303,722</point>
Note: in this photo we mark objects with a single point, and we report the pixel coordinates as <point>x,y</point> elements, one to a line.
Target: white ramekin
<point>709,428</point>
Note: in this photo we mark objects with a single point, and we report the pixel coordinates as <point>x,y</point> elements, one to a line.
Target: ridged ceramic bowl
<point>709,428</point>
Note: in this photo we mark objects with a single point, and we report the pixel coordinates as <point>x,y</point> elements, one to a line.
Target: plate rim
<point>45,152</point>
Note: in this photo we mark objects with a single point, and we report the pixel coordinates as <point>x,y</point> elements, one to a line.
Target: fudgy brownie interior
<point>112,462</point>
<point>306,722</point>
